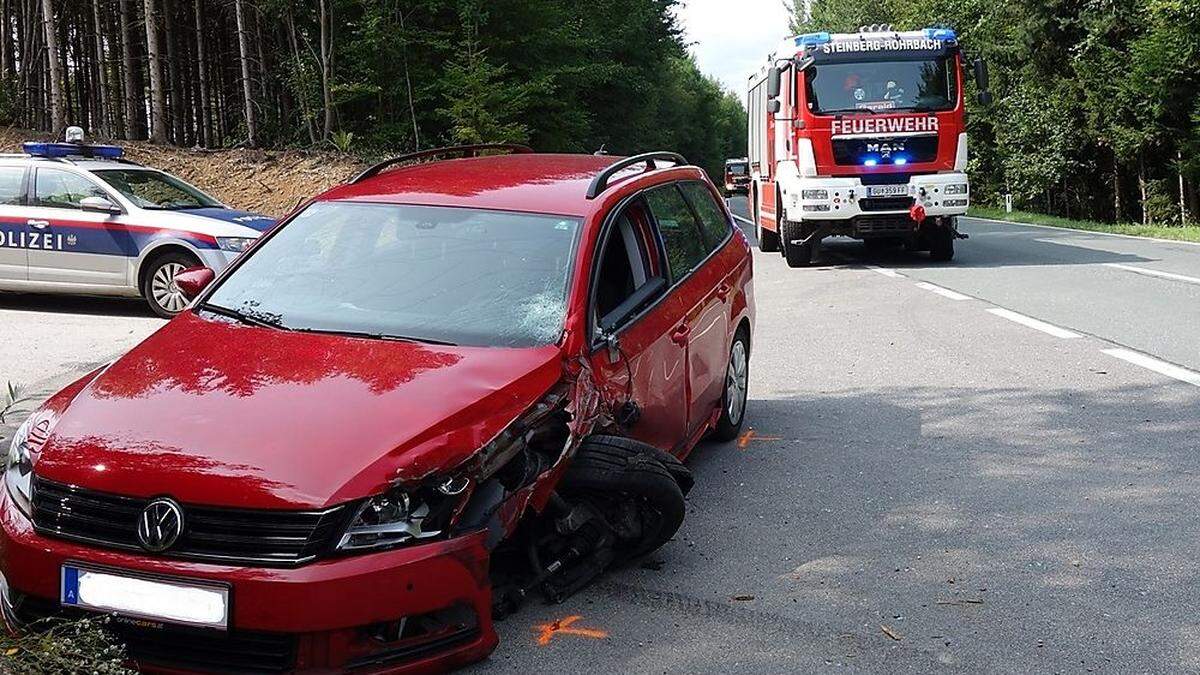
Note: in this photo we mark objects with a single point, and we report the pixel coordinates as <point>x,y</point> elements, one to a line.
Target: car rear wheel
<point>159,287</point>
<point>737,382</point>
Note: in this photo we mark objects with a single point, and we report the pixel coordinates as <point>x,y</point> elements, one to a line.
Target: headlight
<point>814,194</point>
<point>234,244</point>
<point>956,189</point>
<point>398,516</point>
<point>18,468</point>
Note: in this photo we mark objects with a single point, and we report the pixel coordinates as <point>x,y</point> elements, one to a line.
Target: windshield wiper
<point>843,111</point>
<point>251,319</point>
<point>373,336</point>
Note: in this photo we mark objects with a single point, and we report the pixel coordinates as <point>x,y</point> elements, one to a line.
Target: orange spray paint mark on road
<point>751,435</point>
<point>563,627</point>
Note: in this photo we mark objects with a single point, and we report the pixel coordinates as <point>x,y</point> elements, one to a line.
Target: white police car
<point>78,218</point>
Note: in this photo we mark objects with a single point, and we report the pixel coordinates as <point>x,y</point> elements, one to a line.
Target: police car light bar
<point>42,149</point>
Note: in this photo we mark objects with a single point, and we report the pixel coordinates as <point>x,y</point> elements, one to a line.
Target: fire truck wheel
<point>768,241</point>
<point>797,255</point>
<point>941,245</point>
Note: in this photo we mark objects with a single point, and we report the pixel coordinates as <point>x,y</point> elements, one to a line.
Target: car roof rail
<point>459,150</point>
<point>600,182</point>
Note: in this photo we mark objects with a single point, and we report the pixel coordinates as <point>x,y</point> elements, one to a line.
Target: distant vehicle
<point>434,391</point>
<point>737,175</point>
<point>79,218</point>
<point>861,135</point>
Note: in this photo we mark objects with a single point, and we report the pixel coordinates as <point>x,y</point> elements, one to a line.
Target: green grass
<point>1178,233</point>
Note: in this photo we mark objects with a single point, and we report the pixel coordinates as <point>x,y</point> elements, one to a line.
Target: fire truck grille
<point>235,536</point>
<point>914,149</point>
<point>875,225</point>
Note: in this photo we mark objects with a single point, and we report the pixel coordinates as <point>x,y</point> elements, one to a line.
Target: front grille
<point>915,149</point>
<point>233,536</point>
<point>868,225</point>
<point>166,645</point>
<point>885,203</point>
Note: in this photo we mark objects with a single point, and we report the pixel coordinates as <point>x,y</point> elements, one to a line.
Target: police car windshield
<point>150,189</point>
<point>912,85</point>
<point>431,274</point>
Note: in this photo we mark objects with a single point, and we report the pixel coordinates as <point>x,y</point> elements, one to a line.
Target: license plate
<point>181,602</point>
<point>887,190</point>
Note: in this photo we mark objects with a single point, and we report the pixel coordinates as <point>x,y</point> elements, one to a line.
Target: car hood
<point>214,221</point>
<point>211,412</point>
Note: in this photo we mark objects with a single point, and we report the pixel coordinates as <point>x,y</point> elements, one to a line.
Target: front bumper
<point>848,198</point>
<point>216,259</point>
<point>374,613</point>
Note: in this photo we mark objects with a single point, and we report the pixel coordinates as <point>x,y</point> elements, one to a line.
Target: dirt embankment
<point>266,181</point>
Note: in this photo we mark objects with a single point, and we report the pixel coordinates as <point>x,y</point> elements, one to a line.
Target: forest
<point>1097,110</point>
<point>370,77</point>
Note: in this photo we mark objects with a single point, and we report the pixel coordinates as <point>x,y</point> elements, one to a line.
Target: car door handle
<point>39,224</point>
<point>723,291</point>
<point>680,335</point>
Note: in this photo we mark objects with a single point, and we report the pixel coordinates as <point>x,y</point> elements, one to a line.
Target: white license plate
<point>180,602</point>
<point>886,190</point>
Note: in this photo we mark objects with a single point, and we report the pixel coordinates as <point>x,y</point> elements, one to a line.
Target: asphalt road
<point>930,485</point>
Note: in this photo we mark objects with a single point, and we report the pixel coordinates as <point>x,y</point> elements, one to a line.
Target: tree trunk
<point>412,109</point>
<point>1183,211</point>
<point>58,113</point>
<point>1118,210</point>
<point>244,56</point>
<point>326,68</point>
<point>202,127</point>
<point>298,59</point>
<point>1143,188</point>
<point>102,112</point>
<point>6,43</point>
<point>158,93</point>
<point>130,72</point>
<point>173,77</point>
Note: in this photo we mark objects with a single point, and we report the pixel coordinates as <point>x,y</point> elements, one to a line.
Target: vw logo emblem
<point>160,525</point>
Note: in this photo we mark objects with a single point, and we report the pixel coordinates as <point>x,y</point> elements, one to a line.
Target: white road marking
<point>885,271</point>
<point>1155,273</point>
<point>944,292</point>
<point>1160,367</point>
<point>1068,229</point>
<point>1033,323</point>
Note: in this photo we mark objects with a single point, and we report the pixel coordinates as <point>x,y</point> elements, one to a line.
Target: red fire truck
<point>861,135</point>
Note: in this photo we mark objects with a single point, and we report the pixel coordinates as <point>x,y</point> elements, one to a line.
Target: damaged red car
<point>464,378</point>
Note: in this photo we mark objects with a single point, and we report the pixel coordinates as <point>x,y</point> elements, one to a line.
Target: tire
<point>606,466</point>
<point>941,245</point>
<point>797,255</point>
<point>158,283</point>
<point>737,378</point>
<point>768,241</point>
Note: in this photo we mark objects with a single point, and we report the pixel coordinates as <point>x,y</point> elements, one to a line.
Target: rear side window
<point>63,189</point>
<point>11,178</point>
<point>681,236</point>
<point>712,218</point>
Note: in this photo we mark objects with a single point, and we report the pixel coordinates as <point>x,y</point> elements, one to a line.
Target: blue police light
<point>900,161</point>
<point>944,34</point>
<point>870,161</point>
<point>813,39</point>
<point>41,149</point>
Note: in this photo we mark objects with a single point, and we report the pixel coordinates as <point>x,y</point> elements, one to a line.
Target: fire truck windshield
<point>909,85</point>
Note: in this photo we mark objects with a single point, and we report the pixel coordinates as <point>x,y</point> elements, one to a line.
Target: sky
<point>732,38</point>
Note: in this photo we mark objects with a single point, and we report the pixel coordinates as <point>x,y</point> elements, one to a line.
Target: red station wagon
<point>426,395</point>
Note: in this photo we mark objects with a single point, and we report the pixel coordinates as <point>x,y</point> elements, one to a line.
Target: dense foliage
<point>375,76</point>
<point>1097,111</point>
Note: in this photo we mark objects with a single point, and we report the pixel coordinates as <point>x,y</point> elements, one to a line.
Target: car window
<point>63,189</point>
<point>681,236</point>
<point>11,178</point>
<point>712,217</point>
<point>625,265</point>
<point>155,190</point>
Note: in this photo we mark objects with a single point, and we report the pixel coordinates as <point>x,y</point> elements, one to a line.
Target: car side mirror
<point>773,82</point>
<point>99,205</point>
<point>981,80</point>
<point>193,280</point>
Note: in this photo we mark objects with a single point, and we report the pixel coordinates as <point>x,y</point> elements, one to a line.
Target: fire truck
<point>861,135</point>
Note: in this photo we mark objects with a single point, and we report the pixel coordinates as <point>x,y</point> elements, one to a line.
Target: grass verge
<point>1177,233</point>
<point>57,646</point>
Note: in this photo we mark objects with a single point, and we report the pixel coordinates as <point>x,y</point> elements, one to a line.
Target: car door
<point>697,290</point>
<point>14,258</point>
<point>639,365</point>
<point>71,245</point>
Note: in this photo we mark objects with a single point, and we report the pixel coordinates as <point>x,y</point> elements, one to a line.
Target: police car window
<point>63,189</point>
<point>681,236</point>
<point>155,190</point>
<point>712,218</point>
<point>11,179</point>
<point>463,276</point>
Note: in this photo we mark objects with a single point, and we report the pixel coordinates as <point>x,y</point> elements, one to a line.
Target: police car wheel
<point>158,285</point>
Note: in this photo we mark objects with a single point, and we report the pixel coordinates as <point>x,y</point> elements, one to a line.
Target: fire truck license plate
<point>887,190</point>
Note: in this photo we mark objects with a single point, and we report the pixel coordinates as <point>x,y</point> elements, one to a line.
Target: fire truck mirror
<point>984,98</point>
<point>773,82</point>
<point>981,75</point>
<point>773,106</point>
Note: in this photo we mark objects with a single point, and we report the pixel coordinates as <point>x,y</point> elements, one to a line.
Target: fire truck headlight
<point>814,194</point>
<point>234,244</point>
<point>956,189</point>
